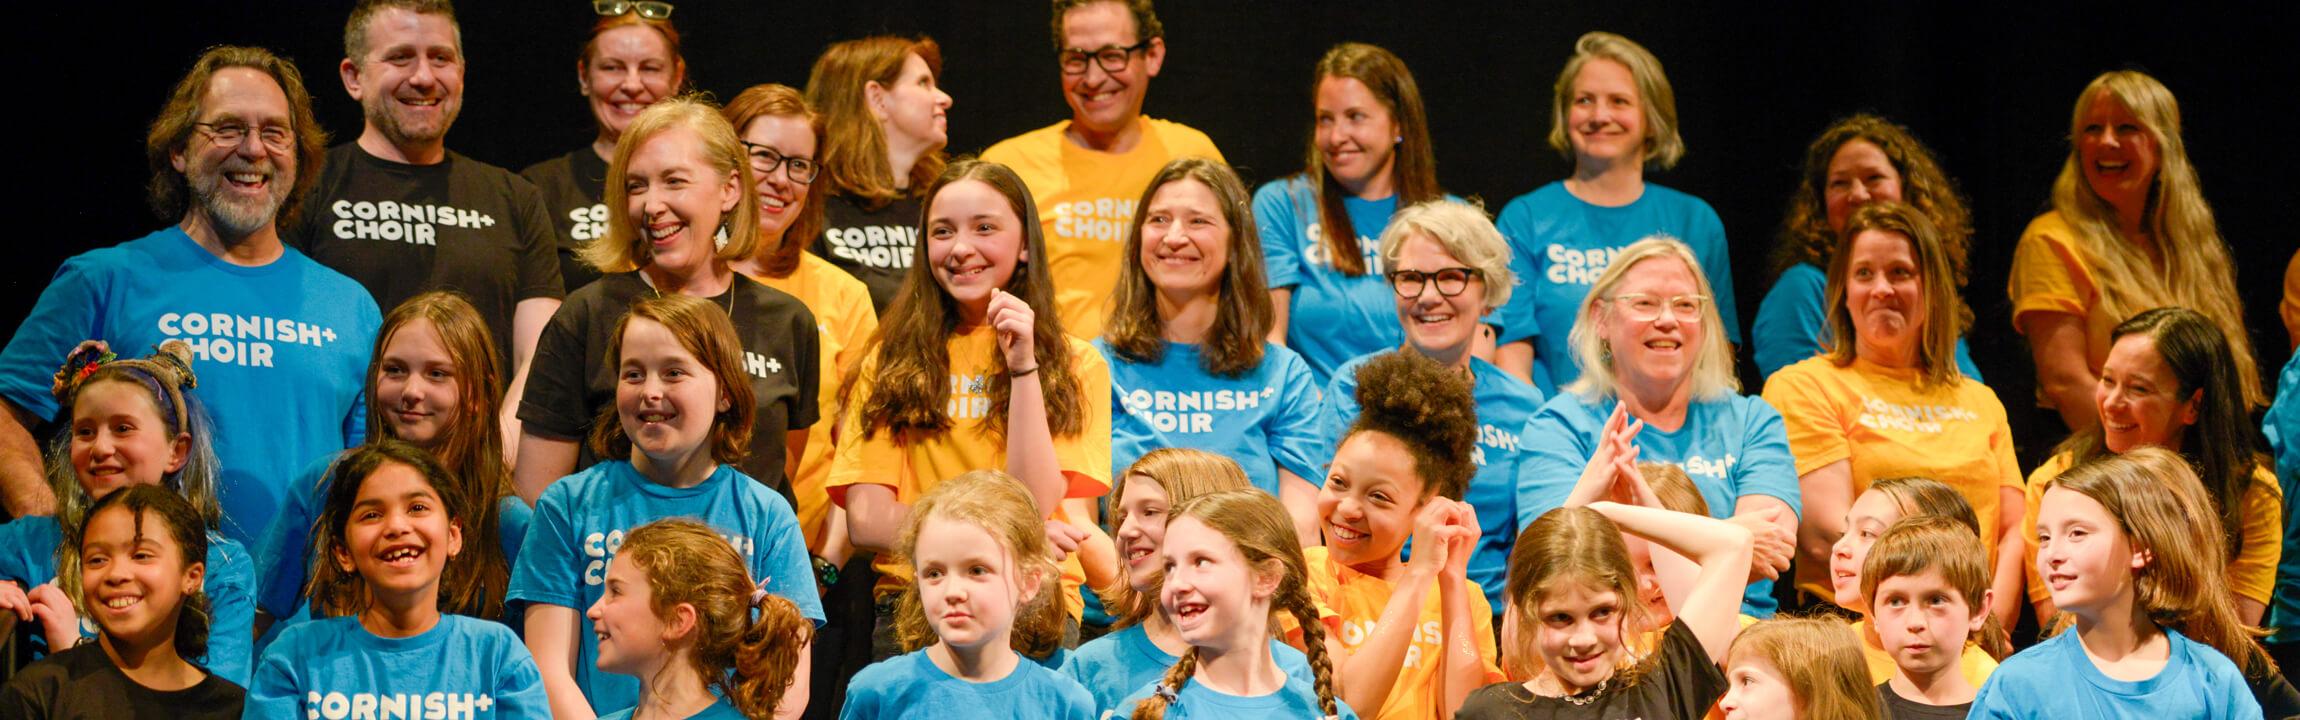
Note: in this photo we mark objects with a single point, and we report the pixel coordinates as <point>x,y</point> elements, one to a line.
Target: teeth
<point>122,601</point>
<point>1344,533</point>
<point>401,554</point>
<point>653,417</point>
<point>658,233</point>
<point>773,203</point>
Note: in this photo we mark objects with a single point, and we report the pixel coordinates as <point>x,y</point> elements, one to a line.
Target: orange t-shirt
<point>1354,601</point>
<point>843,314</point>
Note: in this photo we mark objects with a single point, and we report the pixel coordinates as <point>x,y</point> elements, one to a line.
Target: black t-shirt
<point>460,225</point>
<point>1901,708</point>
<point>573,185</point>
<point>1683,684</point>
<point>83,683</point>
<point>875,246</point>
<point>572,380</point>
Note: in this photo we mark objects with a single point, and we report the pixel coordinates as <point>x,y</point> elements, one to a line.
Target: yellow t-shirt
<point>1355,601</point>
<point>913,466</point>
<point>2251,574</point>
<point>2049,275</point>
<point>1975,663</point>
<point>1875,418</point>
<point>843,316</point>
<point>1086,203</point>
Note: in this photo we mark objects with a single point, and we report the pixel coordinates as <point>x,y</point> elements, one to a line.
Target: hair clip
<point>1166,692</point>
<point>83,361</point>
<point>759,594</point>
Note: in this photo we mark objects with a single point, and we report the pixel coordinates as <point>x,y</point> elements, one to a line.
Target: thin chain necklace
<point>1584,697</point>
<point>730,289</point>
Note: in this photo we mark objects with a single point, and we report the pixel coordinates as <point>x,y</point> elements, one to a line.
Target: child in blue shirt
<point>390,525</point>
<point>131,423</point>
<point>677,615</point>
<point>2105,529</point>
<point>984,585</point>
<point>680,427</point>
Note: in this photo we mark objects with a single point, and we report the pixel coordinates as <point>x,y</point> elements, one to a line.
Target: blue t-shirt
<point>335,668</point>
<point>280,351</point>
<point>1298,700</point>
<point>28,557</point>
<point>1559,245</point>
<point>580,521</point>
<point>285,552</point>
<point>910,686</point>
<point>1265,419</point>
<point>1333,317</point>
<point>1113,666</point>
<point>1731,448</point>
<point>721,710</point>
<point>1793,321</point>
<point>1503,405</point>
<point>2054,679</point>
<point>2283,430</point>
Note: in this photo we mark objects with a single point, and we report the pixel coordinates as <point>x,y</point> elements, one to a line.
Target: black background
<point>1988,86</point>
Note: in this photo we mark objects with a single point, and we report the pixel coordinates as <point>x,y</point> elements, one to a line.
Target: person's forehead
<point>400,26</point>
<point>243,92</point>
<point>1100,23</point>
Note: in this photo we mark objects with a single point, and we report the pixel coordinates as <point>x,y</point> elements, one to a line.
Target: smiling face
<point>1102,101</point>
<point>1605,120</point>
<point>411,82</point>
<point>676,197</point>
<point>973,240</point>
<point>1859,174</point>
<point>1436,325</point>
<point>1755,690</point>
<point>1367,505</point>
<point>133,580</point>
<point>119,439</point>
<point>631,637</point>
<point>913,112</point>
<point>2116,152</point>
<point>780,198</point>
<point>416,384</point>
<point>1883,290</point>
<point>666,399</point>
<point>1142,531</point>
<point>1923,621</point>
<point>2140,399</point>
<point>240,188</point>
<point>1216,598</point>
<point>1865,521</point>
<point>630,68</point>
<point>968,583</point>
<point>2082,553</point>
<point>1356,134</point>
<point>1577,629</point>
<point>1657,353</point>
<point>1185,239</point>
<point>398,537</point>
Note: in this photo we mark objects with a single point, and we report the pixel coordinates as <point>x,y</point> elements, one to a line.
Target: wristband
<point>826,574</point>
<point>1022,373</point>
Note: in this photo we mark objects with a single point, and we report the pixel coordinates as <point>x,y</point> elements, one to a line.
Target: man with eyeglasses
<point>279,343</point>
<point>1087,173</point>
<point>399,212</point>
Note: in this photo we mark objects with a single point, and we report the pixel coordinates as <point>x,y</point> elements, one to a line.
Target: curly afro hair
<point>1427,407</point>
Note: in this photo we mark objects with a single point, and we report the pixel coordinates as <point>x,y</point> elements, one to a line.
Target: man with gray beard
<point>279,343</point>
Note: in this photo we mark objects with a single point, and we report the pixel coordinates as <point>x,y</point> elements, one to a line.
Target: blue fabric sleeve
<point>1767,467</point>
<point>28,550</point>
<point>1965,361</point>
<point>1298,434</point>
<point>68,311</point>
<point>1552,451</point>
<point>1281,237</point>
<point>1515,319</point>
<point>355,422</point>
<point>1341,409</point>
<point>284,553</point>
<point>790,570</point>
<point>549,571</point>
<point>273,692</point>
<point>1791,319</point>
<point>230,587</point>
<point>518,685</point>
<point>512,519</point>
<point>1716,258</point>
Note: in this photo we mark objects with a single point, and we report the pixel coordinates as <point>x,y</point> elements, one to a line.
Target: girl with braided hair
<point>1231,560</point>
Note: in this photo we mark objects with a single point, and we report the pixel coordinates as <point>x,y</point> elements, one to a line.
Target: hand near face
<point>1433,535</point>
<point>1464,531</point>
<point>1016,325</point>
<point>1617,442</point>
<point>58,619</point>
<point>1064,537</point>
<point>1775,544</point>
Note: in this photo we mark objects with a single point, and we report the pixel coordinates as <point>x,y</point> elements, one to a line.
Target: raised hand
<point>1775,544</point>
<point>58,619</point>
<point>1016,325</point>
<point>1064,537</point>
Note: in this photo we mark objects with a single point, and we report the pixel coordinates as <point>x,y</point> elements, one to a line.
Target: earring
<point>1401,140</point>
<point>720,240</point>
<point>1605,353</point>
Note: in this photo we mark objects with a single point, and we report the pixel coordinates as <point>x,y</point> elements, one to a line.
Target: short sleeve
<point>868,457</point>
<point>282,556</point>
<point>355,420</point>
<point>1481,622</point>
<point>1709,247</point>
<point>2253,573</point>
<point>68,311</point>
<point>2047,275</point>
<point>1552,450</point>
<point>1767,467</point>
<point>538,247</point>
<point>1341,406</point>
<point>1791,320</point>
<point>1085,457</point>
<point>1694,679</point>
<point>1517,317</point>
<point>1809,417</point>
<point>548,567</point>
<point>553,404</point>
<point>519,690</point>
<point>1297,436</point>
<point>788,569</point>
<point>273,692</point>
<point>231,609</point>
<point>1281,236</point>
<point>806,341</point>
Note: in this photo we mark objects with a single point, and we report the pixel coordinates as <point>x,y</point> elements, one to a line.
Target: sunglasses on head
<point>649,9</point>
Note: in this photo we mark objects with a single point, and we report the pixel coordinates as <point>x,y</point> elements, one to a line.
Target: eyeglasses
<point>1450,281</point>
<point>277,138</point>
<point>1642,307</point>
<point>764,160</point>
<point>1112,58</point>
<point>649,9</point>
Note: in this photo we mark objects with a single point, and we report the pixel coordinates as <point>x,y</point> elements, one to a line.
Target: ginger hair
<point>1264,534</point>
<point>688,563</point>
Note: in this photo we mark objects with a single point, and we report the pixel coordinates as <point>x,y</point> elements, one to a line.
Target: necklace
<point>1584,697</point>
<point>731,280</point>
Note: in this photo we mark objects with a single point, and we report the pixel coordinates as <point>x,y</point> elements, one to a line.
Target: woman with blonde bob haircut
<point>2129,230</point>
<point>1660,371</point>
<point>1887,400</point>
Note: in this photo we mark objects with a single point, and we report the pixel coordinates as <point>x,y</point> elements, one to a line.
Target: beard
<point>239,217</point>
<point>389,118</point>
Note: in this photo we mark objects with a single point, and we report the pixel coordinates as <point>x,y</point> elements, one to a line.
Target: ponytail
<point>766,659</point>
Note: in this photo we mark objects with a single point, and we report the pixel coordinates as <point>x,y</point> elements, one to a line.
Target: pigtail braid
<point>1294,596</point>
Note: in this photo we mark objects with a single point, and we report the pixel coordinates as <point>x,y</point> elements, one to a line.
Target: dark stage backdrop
<point>1988,85</point>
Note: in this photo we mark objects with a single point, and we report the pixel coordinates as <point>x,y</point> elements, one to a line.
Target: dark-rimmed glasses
<point>1449,281</point>
<point>277,138</point>
<point>764,160</point>
<point>1112,58</point>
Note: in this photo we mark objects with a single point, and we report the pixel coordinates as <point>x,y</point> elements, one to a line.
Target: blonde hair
<point>625,248</point>
<point>1821,660</point>
<point>2161,508</point>
<point>1674,488</point>
<point>1922,543</point>
<point>164,378</point>
<point>1663,146</point>
<point>688,563</point>
<point>1183,474</point>
<point>2195,270</point>
<point>998,504</point>
<point>1946,315</point>
<point>1712,376</point>
<point>1264,534</point>
<point>1574,547</point>
<point>1465,233</point>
